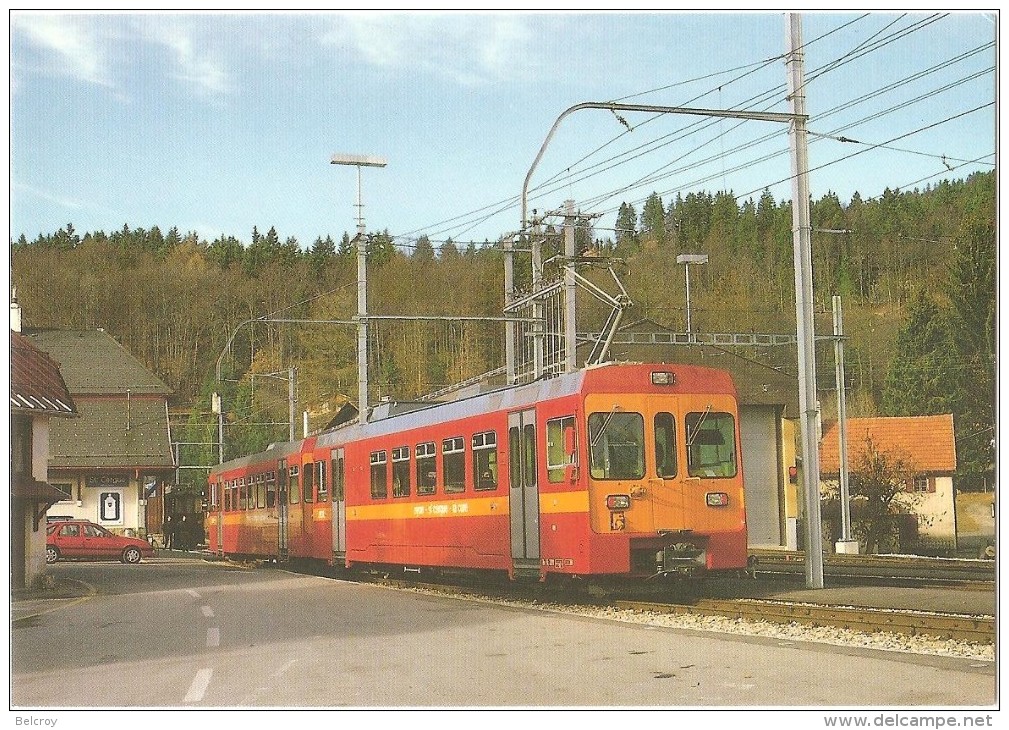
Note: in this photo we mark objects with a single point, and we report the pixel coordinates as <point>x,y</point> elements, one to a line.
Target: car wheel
<point>131,555</point>
<point>52,554</point>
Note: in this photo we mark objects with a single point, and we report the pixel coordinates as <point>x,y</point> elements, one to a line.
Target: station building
<point>117,455</point>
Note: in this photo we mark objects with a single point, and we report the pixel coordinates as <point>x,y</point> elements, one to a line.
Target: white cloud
<point>68,44</point>
<point>192,61</point>
<point>60,200</point>
<point>467,48</point>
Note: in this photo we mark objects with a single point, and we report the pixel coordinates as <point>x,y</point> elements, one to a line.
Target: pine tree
<point>923,376</point>
<point>626,224</point>
<point>423,250</point>
<point>972,295</point>
<point>653,220</point>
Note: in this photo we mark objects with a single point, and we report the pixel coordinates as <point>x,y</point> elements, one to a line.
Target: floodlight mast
<point>360,161</point>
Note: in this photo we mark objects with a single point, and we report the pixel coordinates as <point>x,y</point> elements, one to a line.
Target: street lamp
<point>360,161</point>
<point>686,259</point>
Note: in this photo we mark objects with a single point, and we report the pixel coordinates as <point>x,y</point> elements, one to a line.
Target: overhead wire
<point>573,174</point>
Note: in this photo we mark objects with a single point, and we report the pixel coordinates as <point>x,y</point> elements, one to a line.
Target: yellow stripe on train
<point>554,503</point>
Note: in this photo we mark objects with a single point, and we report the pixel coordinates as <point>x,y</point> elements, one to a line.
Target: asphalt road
<point>189,634</point>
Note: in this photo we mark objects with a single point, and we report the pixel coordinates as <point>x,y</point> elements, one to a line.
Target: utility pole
<point>218,408</point>
<point>570,289</point>
<point>360,161</point>
<point>846,544</point>
<point>290,403</point>
<point>802,255</point>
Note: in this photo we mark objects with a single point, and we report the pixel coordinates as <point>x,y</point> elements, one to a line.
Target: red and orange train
<point>618,470</point>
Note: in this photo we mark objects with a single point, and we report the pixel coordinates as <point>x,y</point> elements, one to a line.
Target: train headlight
<point>618,501</point>
<point>663,377</point>
<point>716,499</point>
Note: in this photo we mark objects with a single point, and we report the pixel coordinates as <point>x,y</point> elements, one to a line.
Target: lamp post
<point>360,161</point>
<point>687,259</point>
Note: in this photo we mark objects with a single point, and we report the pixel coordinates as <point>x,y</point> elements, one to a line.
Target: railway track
<point>978,629</point>
<point>957,627</point>
<point>888,569</point>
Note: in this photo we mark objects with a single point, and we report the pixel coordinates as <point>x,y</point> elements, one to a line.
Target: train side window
<point>308,485</point>
<point>485,475</point>
<point>453,464</point>
<point>379,475</point>
<point>665,445</point>
<point>271,490</point>
<point>561,451</point>
<point>338,475</point>
<point>401,472</point>
<point>260,491</point>
<point>320,481</point>
<point>617,445</point>
<point>711,445</point>
<point>427,475</point>
<point>294,484</point>
<point>282,482</point>
<point>243,495</point>
<point>227,496</point>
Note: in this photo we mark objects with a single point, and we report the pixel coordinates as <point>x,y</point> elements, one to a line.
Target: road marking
<point>199,686</point>
<point>193,593</point>
<point>213,638</point>
<point>251,697</point>
<point>207,611</point>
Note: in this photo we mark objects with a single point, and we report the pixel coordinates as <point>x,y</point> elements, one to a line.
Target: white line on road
<point>213,637</point>
<point>193,593</point>
<point>207,611</point>
<point>199,686</point>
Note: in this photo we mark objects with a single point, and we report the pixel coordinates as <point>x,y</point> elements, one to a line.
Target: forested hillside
<point>916,270</point>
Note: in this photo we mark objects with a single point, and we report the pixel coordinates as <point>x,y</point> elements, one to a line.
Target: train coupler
<point>680,558</point>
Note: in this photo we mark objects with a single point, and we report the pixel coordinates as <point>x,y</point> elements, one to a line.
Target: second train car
<point>618,470</point>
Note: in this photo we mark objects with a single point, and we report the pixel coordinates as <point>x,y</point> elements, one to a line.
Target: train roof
<point>387,418</point>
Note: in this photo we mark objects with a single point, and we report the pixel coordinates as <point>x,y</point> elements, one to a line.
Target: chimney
<point>15,311</point>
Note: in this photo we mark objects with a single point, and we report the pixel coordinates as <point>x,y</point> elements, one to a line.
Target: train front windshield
<point>617,445</point>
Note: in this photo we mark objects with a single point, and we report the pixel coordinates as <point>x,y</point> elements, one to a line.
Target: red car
<point>83,539</point>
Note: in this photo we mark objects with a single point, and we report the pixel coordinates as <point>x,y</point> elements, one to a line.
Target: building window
<point>922,484</point>
<point>21,446</point>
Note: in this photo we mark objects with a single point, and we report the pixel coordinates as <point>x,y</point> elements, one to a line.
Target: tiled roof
<point>926,442</point>
<point>37,386</point>
<point>93,363</point>
<point>113,433</point>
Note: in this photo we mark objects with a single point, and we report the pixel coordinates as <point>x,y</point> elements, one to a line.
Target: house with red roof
<point>38,394</point>
<point>927,445</point>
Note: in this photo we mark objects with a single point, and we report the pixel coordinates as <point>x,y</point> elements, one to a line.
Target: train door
<point>523,492</point>
<point>339,507</point>
<point>282,509</point>
<point>667,479</point>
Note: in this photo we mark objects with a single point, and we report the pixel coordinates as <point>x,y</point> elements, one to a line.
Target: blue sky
<point>219,122</point>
